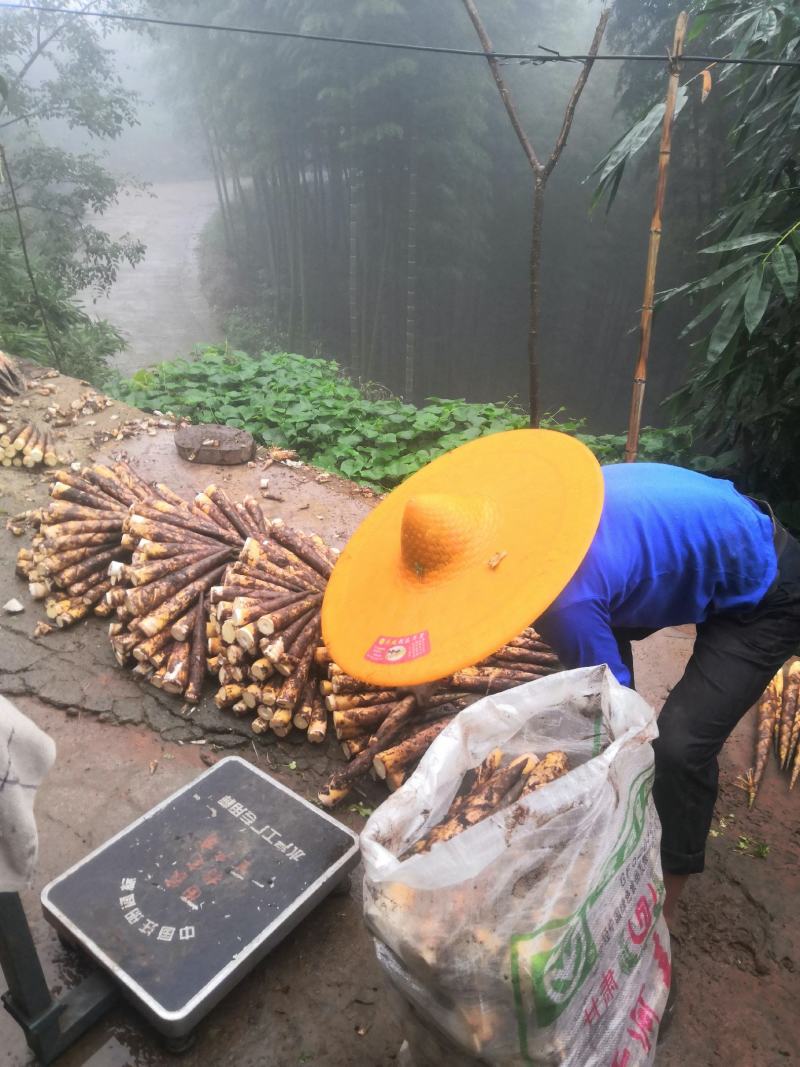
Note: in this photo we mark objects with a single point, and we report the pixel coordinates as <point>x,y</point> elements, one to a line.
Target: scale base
<point>50,1026</point>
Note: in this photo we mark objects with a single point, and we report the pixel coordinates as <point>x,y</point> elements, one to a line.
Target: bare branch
<point>569,114</point>
<point>502,88</point>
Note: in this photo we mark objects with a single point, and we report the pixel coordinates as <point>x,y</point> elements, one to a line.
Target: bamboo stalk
<point>646,321</point>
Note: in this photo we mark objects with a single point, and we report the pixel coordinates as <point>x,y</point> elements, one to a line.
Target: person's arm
<point>581,635</point>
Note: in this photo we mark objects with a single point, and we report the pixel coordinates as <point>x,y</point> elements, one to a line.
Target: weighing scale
<point>179,906</point>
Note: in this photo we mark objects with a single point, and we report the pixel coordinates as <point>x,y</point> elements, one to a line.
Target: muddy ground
<point>319,999</point>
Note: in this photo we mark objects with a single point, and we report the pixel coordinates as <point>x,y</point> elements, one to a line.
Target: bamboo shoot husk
<point>166,613</point>
<point>176,676</point>
<point>789,702</point>
<point>303,547</point>
<point>305,709</point>
<point>227,507</point>
<point>147,649</point>
<point>552,766</point>
<point>765,725</point>
<point>360,700</point>
<point>104,479</point>
<point>292,689</point>
<point>481,804</point>
<point>207,506</point>
<point>318,723</point>
<point>185,625</point>
<point>276,649</point>
<point>261,669</point>
<point>353,722</point>
<point>400,756</point>
<point>282,617</point>
<point>227,696</point>
<point>145,573</point>
<point>146,598</point>
<point>78,571</point>
<point>162,512</point>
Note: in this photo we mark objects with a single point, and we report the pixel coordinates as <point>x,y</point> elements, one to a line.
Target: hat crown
<point>441,530</point>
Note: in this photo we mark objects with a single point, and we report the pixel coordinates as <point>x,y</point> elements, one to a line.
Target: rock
<point>13,607</point>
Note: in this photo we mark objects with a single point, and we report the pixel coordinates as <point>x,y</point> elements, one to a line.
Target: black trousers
<point>734,658</point>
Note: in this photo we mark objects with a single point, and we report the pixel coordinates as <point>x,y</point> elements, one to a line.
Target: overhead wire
<point>547,55</point>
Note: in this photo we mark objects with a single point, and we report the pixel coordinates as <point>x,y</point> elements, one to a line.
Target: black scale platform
<point>186,900</point>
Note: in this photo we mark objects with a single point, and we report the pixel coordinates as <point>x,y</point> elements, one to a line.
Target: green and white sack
<point>536,936</point>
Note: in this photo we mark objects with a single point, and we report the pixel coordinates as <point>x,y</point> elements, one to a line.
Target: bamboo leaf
<point>727,324</point>
<point>739,242</point>
<point>755,301</point>
<point>784,265</point>
<point>697,28</point>
<point>610,167</point>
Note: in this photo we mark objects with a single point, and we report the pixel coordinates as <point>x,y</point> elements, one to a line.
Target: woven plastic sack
<point>536,936</point>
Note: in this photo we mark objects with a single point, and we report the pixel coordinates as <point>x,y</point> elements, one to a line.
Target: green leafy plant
<point>310,406</point>
<point>746,846</point>
<point>83,344</point>
<point>743,392</point>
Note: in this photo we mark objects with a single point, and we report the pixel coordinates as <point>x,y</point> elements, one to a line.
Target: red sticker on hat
<point>400,649</point>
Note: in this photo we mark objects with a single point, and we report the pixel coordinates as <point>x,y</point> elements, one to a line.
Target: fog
<point>373,206</point>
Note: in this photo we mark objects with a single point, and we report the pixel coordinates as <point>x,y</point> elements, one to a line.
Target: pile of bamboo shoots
<point>493,785</point>
<point>211,585</point>
<point>25,445</point>
<point>11,381</point>
<point>264,634</point>
<point>79,535</point>
<point>386,733</point>
<point>180,551</point>
<point>778,727</point>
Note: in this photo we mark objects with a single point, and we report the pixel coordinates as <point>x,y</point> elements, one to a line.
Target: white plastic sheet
<point>535,936</point>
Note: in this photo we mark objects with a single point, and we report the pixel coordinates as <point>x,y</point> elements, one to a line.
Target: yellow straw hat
<point>462,557</point>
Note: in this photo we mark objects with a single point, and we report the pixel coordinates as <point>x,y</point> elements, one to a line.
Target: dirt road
<point>158,306</point>
<point>319,999</point>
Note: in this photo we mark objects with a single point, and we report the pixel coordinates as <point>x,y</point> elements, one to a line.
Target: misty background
<point>331,199</point>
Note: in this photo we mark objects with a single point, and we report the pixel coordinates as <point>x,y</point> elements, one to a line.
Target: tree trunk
<point>534,279</point>
<point>411,274</point>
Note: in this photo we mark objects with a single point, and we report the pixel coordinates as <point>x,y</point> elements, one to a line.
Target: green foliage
<point>54,73</point>
<point>83,344</point>
<point>308,405</point>
<point>57,72</point>
<point>743,393</point>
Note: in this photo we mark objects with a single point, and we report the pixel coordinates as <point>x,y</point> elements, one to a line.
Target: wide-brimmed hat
<point>462,557</point>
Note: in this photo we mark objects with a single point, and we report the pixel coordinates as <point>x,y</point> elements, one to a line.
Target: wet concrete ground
<point>319,998</point>
<point>158,305</point>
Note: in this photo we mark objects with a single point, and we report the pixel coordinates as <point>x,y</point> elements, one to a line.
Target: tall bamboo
<point>646,322</point>
<point>411,272</point>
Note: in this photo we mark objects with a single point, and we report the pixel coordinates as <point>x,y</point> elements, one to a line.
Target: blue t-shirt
<point>672,547</point>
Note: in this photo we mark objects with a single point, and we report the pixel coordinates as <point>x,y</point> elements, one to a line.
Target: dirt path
<point>158,306</point>
<point>319,998</point>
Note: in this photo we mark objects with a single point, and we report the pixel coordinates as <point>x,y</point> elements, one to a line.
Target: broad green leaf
<point>726,326</point>
<point>740,242</point>
<point>784,264</point>
<point>633,141</point>
<point>755,301</point>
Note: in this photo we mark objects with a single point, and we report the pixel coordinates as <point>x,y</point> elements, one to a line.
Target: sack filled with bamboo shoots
<point>513,884</point>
